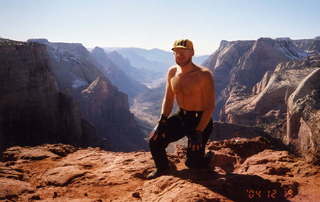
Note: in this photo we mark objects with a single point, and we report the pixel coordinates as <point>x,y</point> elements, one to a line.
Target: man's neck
<point>187,68</point>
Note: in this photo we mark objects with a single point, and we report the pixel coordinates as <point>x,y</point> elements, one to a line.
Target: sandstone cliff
<point>267,106</point>
<point>41,96</point>
<point>118,77</point>
<point>77,70</point>
<point>108,110</point>
<point>32,110</point>
<point>262,100</point>
<point>309,45</point>
<point>303,117</point>
<point>267,101</point>
<point>242,170</point>
<point>239,65</point>
<point>72,65</point>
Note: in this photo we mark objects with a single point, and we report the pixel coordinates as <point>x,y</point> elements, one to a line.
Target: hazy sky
<point>157,23</point>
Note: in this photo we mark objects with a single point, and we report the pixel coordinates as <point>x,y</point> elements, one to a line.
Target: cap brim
<point>183,47</point>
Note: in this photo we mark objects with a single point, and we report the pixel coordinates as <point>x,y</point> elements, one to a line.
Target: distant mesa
<point>283,38</point>
<point>43,41</point>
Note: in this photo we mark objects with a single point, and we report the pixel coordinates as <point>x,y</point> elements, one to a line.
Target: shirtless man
<point>193,89</point>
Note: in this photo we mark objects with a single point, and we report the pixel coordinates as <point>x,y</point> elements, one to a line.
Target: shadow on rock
<point>237,187</point>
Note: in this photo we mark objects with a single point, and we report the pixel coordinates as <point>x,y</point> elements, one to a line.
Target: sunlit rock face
<point>242,169</point>
<point>257,81</point>
<point>267,101</point>
<point>72,65</point>
<point>303,130</point>
<point>238,66</point>
<point>309,45</point>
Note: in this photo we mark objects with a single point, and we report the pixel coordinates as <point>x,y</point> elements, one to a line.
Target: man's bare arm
<point>208,93</point>
<point>168,99</point>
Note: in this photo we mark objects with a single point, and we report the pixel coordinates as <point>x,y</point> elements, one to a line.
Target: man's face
<point>183,56</point>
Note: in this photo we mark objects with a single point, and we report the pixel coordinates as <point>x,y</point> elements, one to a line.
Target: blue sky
<point>157,23</point>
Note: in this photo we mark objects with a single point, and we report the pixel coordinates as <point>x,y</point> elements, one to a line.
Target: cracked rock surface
<point>239,173</point>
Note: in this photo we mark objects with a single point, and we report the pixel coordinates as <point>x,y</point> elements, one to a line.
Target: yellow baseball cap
<point>182,43</point>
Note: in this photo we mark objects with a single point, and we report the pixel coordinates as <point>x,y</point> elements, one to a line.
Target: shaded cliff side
<point>76,70</point>
<point>108,109</point>
<point>32,110</point>
<point>43,99</point>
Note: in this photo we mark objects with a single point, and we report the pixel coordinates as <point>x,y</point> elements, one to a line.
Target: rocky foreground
<point>244,170</point>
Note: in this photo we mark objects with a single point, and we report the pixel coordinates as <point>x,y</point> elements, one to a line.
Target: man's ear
<point>192,52</point>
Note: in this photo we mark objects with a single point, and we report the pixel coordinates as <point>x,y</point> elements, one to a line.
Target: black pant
<point>179,125</point>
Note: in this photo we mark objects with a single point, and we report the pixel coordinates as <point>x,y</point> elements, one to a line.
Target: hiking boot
<point>157,173</point>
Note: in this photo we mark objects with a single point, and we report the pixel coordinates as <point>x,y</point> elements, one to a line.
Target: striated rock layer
<point>239,65</point>
<point>242,170</point>
<point>256,78</point>
<point>269,107</point>
<point>309,45</point>
<point>267,101</point>
<point>303,117</point>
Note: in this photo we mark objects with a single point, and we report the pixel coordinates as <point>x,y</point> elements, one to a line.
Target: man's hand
<point>195,140</point>
<point>160,128</point>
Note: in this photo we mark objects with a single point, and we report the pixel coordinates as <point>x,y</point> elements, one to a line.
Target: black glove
<point>159,129</point>
<point>195,140</point>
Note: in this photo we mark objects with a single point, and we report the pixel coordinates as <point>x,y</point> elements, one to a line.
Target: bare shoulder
<point>206,72</point>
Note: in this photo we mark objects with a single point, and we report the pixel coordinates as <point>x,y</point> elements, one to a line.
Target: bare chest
<point>186,84</point>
